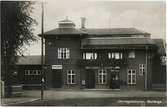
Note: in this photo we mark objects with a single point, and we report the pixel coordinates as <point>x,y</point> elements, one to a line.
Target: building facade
<point>118,58</point>
<point>28,71</point>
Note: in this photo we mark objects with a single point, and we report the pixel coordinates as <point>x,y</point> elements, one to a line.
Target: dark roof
<point>117,41</point>
<point>161,46</point>
<point>64,31</point>
<point>113,31</point>
<point>29,60</point>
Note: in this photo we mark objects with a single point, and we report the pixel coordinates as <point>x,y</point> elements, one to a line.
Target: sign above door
<point>57,66</point>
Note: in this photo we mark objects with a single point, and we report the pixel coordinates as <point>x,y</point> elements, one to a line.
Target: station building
<point>104,58</point>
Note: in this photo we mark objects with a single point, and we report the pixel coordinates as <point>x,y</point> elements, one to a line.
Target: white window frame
<point>70,74</point>
<point>63,53</point>
<point>132,54</point>
<point>116,55</point>
<point>89,55</point>
<point>131,74</point>
<point>103,77</point>
<point>142,69</point>
<point>32,72</point>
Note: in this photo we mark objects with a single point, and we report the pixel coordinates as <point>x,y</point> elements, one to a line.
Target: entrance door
<point>90,79</point>
<point>56,78</point>
<point>114,79</point>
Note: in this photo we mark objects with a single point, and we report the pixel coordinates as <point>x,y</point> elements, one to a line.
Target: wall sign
<point>57,66</point>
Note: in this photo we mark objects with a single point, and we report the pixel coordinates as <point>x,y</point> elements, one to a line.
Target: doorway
<point>115,79</point>
<point>56,78</point>
<point>90,79</point>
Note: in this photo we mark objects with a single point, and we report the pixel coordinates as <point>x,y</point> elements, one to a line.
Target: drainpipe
<point>145,88</point>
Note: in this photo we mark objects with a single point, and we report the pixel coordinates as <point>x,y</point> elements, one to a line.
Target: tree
<point>17,30</point>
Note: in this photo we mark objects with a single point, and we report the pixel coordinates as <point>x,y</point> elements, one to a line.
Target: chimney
<point>83,19</point>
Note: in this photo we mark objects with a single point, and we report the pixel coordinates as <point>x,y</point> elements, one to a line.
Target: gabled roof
<point>161,46</point>
<point>107,31</point>
<point>29,60</point>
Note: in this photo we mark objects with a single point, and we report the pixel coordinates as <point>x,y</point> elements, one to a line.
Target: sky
<point>148,16</point>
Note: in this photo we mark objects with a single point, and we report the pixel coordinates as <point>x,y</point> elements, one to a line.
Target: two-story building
<point>117,58</point>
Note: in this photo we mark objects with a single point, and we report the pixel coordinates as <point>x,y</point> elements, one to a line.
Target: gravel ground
<point>56,94</point>
<point>64,94</point>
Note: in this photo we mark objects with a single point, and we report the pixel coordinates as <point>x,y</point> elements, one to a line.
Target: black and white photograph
<point>83,53</point>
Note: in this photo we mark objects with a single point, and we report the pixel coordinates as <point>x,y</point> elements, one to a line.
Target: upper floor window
<point>63,53</point>
<point>131,54</point>
<point>89,55</point>
<point>71,77</point>
<point>141,69</point>
<point>116,55</point>
<point>131,76</point>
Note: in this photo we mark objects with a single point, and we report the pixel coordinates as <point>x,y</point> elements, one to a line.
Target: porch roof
<point>29,60</point>
<point>108,42</point>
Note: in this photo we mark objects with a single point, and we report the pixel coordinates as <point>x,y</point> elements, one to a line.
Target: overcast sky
<point>144,15</point>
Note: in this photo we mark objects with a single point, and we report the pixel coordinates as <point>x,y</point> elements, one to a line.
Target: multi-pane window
<point>63,53</point>
<point>71,77</point>
<point>102,76</point>
<point>115,55</point>
<point>141,69</point>
<point>131,76</point>
<point>90,55</point>
<point>132,54</point>
<point>32,72</point>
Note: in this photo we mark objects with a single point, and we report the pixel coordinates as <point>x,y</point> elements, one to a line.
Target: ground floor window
<point>71,77</point>
<point>32,72</point>
<point>102,76</point>
<point>141,69</point>
<point>131,76</point>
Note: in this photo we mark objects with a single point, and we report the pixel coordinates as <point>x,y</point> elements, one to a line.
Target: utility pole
<point>146,68</point>
<point>42,62</point>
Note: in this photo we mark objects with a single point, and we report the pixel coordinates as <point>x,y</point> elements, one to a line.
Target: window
<point>63,53</point>
<point>89,55</point>
<point>102,76</point>
<point>141,69</point>
<point>115,69</point>
<point>163,60</point>
<point>131,77</point>
<point>71,77</point>
<point>132,54</point>
<point>26,72</point>
<point>116,55</point>
<point>32,72</point>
